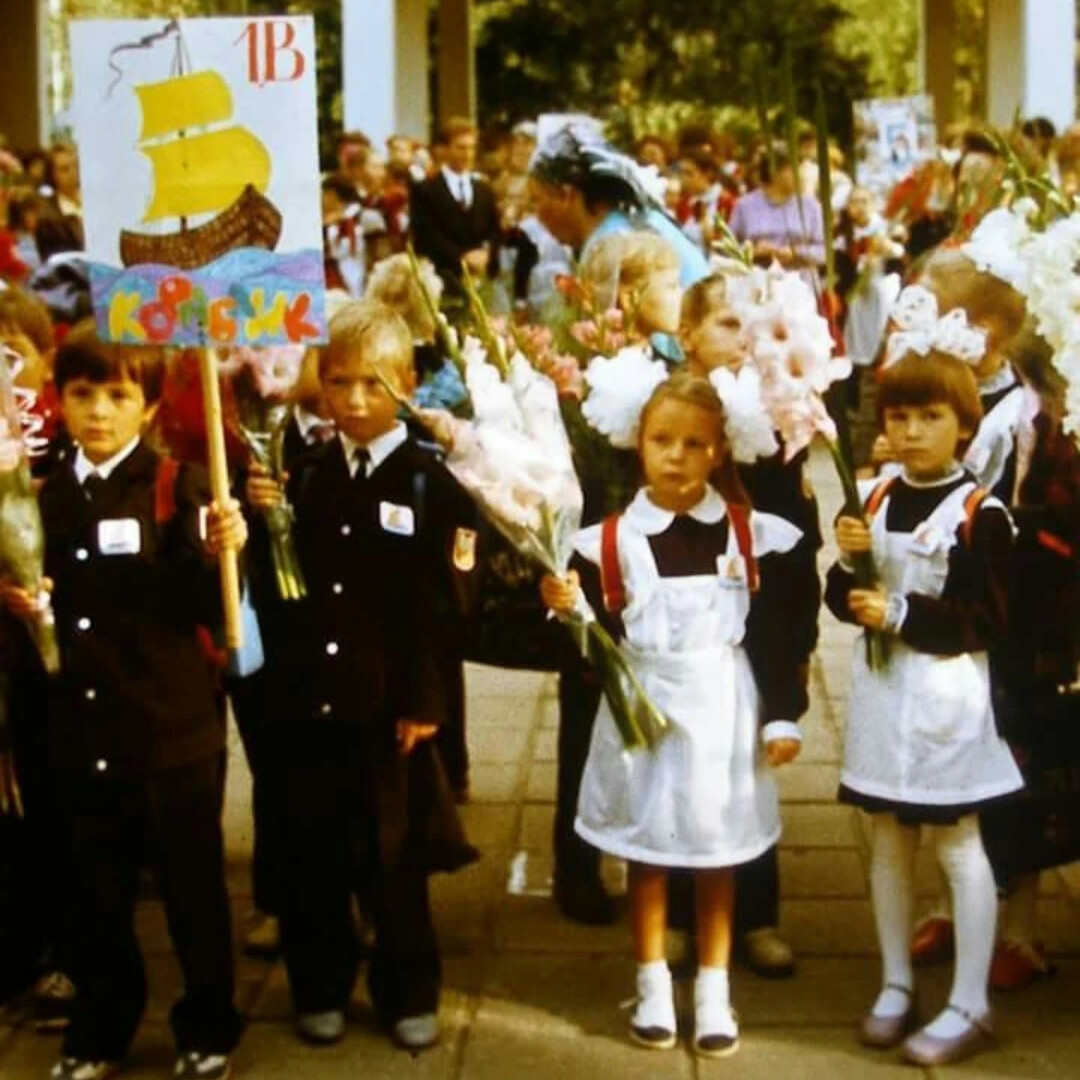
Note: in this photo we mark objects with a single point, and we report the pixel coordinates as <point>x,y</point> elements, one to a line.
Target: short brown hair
<point>702,297</point>
<point>928,380</point>
<point>26,313</point>
<point>84,355</point>
<point>456,126</point>
<point>372,328</point>
<point>690,389</point>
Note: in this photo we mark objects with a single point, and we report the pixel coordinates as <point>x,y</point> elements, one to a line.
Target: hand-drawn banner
<point>198,145</point>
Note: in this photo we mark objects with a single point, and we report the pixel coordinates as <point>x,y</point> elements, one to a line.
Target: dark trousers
<point>332,851</point>
<point>265,750</point>
<point>579,699</point>
<point>177,813</point>
<point>451,739</point>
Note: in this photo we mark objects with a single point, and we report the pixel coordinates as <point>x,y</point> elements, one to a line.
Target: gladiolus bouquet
<point>262,382</point>
<point>22,537</point>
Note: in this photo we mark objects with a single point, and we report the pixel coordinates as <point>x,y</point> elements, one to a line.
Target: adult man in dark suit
<point>453,216</point>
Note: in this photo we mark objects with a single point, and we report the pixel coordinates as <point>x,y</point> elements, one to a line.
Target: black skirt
<point>919,813</point>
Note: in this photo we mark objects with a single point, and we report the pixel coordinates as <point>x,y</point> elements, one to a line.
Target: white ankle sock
<point>712,1004</point>
<point>656,999</point>
<point>892,885</point>
<point>963,858</point>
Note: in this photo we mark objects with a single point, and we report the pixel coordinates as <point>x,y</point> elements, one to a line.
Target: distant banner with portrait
<point>892,137</point>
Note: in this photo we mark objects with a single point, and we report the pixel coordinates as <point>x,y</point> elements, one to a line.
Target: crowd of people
<point>702,565</point>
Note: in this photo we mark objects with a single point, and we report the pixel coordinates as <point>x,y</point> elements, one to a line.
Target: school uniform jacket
<point>378,558</point>
<point>135,693</point>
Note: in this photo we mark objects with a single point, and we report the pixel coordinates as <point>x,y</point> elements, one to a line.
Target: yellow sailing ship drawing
<point>224,172</point>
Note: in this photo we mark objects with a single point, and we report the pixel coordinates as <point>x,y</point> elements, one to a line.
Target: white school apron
<point>704,796</point>
<point>922,731</point>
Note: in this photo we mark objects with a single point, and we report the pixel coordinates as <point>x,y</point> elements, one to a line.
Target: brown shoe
<point>767,954</point>
<point>926,1050</point>
<point>1017,965</point>
<point>934,941</point>
<point>886,1032</point>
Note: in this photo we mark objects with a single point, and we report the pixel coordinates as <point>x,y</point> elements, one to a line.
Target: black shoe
<point>586,901</point>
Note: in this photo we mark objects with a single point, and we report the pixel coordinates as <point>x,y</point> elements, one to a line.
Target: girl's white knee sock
<point>892,886</point>
<point>974,900</point>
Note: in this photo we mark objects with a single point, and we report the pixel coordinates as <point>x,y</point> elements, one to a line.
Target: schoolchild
<point>712,337</point>
<point>134,731</point>
<point>636,273</point>
<point>696,586</point>
<point>921,747</point>
<point>1023,456</point>
<point>384,538</point>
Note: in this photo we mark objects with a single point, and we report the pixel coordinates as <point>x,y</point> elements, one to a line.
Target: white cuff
<point>775,730</point>
<point>896,609</point>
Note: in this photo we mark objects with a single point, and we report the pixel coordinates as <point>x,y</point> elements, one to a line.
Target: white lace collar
<point>651,519</point>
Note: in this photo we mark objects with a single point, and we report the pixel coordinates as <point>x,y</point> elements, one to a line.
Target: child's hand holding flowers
<point>560,594</point>
<point>262,491</point>
<point>24,603</point>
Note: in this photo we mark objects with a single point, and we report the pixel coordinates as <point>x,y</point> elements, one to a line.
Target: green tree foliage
<point>546,55</point>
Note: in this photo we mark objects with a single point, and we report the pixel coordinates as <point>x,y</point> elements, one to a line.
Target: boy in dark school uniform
<point>385,540</point>
<point>135,735</point>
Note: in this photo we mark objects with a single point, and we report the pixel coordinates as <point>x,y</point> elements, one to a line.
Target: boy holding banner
<point>134,729</point>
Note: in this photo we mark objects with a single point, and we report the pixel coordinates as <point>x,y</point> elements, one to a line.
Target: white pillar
<point>1031,60</point>
<point>384,68</point>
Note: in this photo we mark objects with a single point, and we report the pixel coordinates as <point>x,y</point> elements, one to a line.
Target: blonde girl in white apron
<point>921,746</point>
<point>694,584</point>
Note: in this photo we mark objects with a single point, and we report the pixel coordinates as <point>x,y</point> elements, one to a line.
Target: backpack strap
<point>971,507</point>
<point>611,575</point>
<point>739,517</point>
<point>165,490</point>
<point>877,496</point>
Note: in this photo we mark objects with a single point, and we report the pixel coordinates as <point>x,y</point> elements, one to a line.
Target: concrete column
<point>937,57</point>
<point>384,68</point>
<point>24,61</point>
<point>457,66</point>
<point>1031,60</point>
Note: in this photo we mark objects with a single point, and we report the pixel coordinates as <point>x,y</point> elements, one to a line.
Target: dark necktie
<point>362,458</point>
<point>93,486</point>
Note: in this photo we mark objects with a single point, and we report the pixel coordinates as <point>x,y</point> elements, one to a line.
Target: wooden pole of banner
<point>219,487</point>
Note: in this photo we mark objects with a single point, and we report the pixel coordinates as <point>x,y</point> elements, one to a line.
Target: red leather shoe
<point>1017,965</point>
<point>933,941</point>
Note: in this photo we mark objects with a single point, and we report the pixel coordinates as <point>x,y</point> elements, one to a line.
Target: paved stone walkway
<point>530,996</point>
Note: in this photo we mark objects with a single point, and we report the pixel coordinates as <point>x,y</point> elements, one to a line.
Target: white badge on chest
<point>399,520</point>
<point>119,536</point>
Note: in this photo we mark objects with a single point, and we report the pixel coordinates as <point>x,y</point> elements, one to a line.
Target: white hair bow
<point>922,330</point>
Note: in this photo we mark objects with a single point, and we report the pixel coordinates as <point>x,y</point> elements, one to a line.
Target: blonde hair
<point>987,300</point>
<point>393,283</point>
<point>376,331</point>
<point>626,260</point>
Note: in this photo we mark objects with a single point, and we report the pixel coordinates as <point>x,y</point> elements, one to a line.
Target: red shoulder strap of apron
<point>877,496</point>
<point>971,508</point>
<point>739,517</point>
<point>611,576</point>
<point>165,490</point>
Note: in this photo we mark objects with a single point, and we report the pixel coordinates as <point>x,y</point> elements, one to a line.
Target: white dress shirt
<point>379,449</point>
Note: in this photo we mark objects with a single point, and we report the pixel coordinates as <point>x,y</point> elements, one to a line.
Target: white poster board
<point>198,148</point>
<point>892,137</point>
